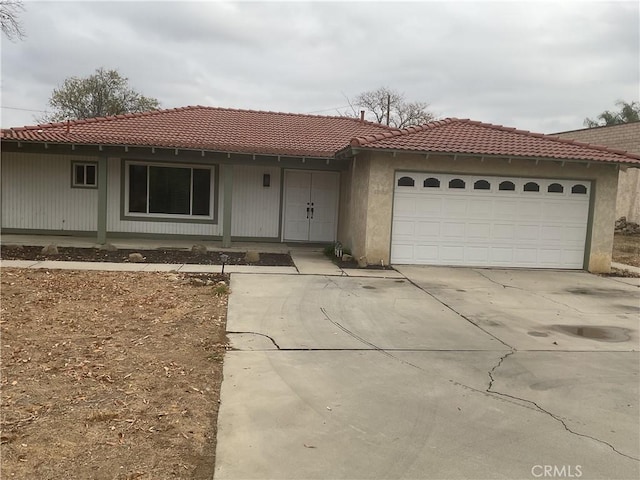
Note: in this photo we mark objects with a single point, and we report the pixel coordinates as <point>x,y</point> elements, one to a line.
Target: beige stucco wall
<point>357,234</point>
<point>372,186</point>
<point>623,137</point>
<point>344,207</point>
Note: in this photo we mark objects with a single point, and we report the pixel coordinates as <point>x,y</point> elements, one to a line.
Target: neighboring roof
<point>619,126</point>
<point>463,136</point>
<point>624,136</point>
<point>208,128</point>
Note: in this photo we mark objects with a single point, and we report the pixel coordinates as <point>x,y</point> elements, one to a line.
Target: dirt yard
<point>626,249</point>
<point>110,375</point>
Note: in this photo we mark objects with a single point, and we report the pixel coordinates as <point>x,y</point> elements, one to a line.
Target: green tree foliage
<point>389,107</point>
<point>628,113</point>
<point>104,93</point>
<point>11,26</point>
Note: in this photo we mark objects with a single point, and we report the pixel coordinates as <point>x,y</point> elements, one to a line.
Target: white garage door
<point>489,221</point>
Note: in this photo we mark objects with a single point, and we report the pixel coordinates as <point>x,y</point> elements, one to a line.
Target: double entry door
<point>310,206</point>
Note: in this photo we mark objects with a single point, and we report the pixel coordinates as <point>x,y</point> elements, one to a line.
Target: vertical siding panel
<point>256,209</point>
<point>37,194</point>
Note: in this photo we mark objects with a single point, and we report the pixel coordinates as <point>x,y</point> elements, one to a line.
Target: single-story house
<point>451,192</point>
<point>622,137</point>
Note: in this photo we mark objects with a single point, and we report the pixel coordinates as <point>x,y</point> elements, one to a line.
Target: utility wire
<point>328,109</point>
<point>24,109</point>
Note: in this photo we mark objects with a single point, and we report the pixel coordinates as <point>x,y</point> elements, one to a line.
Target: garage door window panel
<point>482,185</point>
<point>406,182</point>
<point>431,182</point>
<point>579,189</point>
<point>531,187</point>
<point>555,188</point>
<point>457,183</point>
<point>507,186</point>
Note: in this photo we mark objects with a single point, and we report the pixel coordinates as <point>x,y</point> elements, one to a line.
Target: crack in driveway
<point>547,412</point>
<point>260,334</point>
<point>536,294</point>
<point>512,351</point>
<point>490,391</point>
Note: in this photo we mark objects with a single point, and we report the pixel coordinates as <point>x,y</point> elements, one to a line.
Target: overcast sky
<point>532,65</point>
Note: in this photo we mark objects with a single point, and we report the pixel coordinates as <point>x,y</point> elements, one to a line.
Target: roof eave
<point>126,146</point>
<point>353,150</point>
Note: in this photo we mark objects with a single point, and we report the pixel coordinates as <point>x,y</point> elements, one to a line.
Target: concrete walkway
<point>629,268</point>
<point>308,259</point>
<point>305,264</point>
<point>144,267</point>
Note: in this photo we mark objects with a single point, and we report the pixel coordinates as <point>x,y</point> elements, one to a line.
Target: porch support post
<point>226,204</point>
<point>102,200</point>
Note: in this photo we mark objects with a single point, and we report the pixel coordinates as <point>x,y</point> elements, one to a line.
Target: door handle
<point>307,212</point>
<point>311,212</point>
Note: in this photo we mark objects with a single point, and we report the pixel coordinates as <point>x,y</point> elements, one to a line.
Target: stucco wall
<point>356,233</point>
<point>370,232</point>
<point>624,137</point>
<point>344,208</point>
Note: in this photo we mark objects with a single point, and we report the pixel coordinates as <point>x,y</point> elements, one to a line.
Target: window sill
<point>169,219</point>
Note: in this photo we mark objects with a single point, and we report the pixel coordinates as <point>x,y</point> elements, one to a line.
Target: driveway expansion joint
<point>458,313</point>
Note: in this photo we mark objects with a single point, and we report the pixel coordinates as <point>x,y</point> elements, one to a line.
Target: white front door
<point>310,206</point>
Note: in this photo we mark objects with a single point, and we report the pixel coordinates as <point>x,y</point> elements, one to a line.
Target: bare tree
<point>390,107</point>
<point>11,26</point>
<point>629,112</point>
<point>104,93</point>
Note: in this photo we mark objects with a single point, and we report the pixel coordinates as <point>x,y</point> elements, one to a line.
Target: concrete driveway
<point>447,373</point>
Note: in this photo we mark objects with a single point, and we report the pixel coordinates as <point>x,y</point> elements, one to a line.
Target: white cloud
<point>532,65</point>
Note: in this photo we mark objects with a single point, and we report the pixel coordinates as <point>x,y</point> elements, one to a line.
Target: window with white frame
<point>169,190</point>
<point>84,175</point>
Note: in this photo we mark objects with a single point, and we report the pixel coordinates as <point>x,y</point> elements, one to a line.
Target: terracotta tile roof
<point>466,136</point>
<point>276,133</point>
<point>209,128</point>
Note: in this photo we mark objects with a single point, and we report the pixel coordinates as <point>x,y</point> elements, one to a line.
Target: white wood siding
<point>37,194</point>
<point>256,209</point>
<point>116,224</point>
